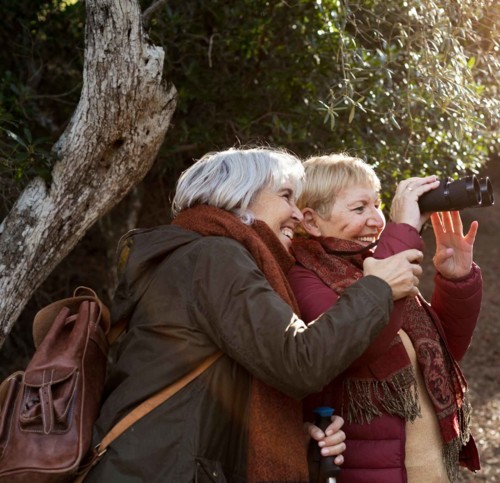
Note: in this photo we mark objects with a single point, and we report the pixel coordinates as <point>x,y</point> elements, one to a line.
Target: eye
<point>359,209</point>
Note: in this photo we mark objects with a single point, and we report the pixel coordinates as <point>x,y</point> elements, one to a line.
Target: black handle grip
<point>321,467</point>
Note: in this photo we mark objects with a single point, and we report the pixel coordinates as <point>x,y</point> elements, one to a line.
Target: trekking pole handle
<point>328,470</point>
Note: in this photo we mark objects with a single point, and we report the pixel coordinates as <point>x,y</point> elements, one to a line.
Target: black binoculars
<point>468,192</point>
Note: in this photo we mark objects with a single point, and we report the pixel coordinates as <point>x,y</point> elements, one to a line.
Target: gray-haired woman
<point>214,280</point>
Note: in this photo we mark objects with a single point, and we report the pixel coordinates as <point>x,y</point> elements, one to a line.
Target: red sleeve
<point>396,238</point>
<point>457,304</point>
<point>315,297</point>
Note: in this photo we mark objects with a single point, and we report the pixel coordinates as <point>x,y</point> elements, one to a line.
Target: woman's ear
<point>309,222</point>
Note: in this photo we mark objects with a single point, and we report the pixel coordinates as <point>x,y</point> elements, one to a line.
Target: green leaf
<point>351,114</point>
<point>16,138</point>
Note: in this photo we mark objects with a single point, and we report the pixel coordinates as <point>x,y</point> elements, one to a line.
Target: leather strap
<point>145,408</point>
<point>116,330</point>
<point>154,401</point>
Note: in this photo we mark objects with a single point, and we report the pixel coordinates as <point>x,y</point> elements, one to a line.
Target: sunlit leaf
<point>351,114</point>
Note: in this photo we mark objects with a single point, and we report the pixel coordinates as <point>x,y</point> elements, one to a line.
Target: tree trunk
<point>107,148</point>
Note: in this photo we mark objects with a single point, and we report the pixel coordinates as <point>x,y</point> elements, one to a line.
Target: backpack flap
<point>46,316</point>
<point>47,400</point>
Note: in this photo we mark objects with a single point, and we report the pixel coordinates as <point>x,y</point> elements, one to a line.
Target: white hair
<point>231,179</point>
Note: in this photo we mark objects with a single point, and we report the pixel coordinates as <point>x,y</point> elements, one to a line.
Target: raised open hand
<point>453,258</point>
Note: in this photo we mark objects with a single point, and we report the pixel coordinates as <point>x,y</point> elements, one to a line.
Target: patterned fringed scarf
<point>276,442</point>
<point>390,381</point>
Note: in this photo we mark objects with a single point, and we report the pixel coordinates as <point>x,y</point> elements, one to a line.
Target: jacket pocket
<point>208,471</point>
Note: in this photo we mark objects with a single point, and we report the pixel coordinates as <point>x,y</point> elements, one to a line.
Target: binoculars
<point>468,192</point>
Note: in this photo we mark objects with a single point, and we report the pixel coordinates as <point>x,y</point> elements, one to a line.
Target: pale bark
<point>107,148</point>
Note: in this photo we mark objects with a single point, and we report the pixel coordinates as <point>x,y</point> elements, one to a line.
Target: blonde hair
<point>327,176</point>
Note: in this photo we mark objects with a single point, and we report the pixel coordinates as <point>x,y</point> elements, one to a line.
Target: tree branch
<point>108,147</point>
<point>148,13</point>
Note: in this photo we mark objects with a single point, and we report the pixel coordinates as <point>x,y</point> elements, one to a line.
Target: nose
<point>377,219</point>
<point>296,213</point>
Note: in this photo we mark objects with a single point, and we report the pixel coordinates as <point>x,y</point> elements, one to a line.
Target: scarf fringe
<point>451,453</point>
<point>451,450</point>
<point>397,396</point>
<point>464,420</point>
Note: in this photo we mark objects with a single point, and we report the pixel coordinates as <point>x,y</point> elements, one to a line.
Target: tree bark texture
<point>108,147</point>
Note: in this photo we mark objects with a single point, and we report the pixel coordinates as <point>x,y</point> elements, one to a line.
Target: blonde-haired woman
<point>404,400</point>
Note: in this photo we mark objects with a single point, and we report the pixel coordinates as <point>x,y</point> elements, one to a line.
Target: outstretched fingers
<point>471,234</point>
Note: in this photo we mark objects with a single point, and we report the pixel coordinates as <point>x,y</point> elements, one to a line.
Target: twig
<point>146,16</point>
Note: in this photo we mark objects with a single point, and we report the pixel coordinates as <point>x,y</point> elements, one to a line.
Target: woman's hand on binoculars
<point>454,251</point>
<point>404,207</point>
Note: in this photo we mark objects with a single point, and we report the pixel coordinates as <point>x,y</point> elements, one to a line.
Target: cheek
<point>354,226</point>
<point>276,215</point>
<point>339,229</point>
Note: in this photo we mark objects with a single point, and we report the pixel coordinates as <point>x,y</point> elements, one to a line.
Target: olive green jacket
<point>187,296</point>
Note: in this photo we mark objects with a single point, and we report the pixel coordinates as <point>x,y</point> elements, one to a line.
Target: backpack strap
<point>116,330</point>
<point>143,409</point>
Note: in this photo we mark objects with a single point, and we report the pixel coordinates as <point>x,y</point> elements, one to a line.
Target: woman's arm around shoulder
<point>315,297</point>
<point>241,314</point>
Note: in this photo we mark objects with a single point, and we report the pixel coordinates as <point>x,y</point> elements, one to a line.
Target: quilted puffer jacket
<point>376,452</point>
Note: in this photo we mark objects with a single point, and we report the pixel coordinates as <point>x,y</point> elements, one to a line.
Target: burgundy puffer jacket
<point>376,452</point>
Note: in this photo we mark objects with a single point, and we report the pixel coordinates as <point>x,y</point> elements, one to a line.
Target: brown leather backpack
<point>47,413</point>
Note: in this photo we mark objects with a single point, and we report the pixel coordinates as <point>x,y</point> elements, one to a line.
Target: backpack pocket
<point>9,389</point>
<point>48,401</point>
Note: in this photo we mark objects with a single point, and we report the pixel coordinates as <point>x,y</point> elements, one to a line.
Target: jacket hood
<point>139,253</point>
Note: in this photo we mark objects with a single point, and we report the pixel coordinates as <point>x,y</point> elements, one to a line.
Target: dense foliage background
<point>409,85</point>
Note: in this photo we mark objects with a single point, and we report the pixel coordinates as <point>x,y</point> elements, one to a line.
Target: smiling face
<point>278,210</point>
<point>355,216</point>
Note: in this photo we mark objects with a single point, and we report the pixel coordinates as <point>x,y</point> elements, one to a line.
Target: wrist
<point>457,277</point>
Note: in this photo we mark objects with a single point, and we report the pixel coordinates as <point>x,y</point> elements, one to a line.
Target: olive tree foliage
<point>108,145</point>
<point>418,91</point>
<point>408,85</point>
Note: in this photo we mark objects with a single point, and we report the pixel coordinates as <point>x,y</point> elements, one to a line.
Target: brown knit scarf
<point>389,382</point>
<point>276,442</point>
